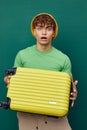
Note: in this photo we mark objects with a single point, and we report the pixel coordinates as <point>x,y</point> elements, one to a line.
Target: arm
<point>17,62</point>
<point>67,69</point>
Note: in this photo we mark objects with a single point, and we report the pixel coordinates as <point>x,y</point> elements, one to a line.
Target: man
<point>43,55</point>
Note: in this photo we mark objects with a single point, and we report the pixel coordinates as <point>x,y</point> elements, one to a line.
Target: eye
<point>38,27</point>
<point>49,28</point>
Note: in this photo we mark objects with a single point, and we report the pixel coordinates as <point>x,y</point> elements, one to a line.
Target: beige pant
<point>29,121</point>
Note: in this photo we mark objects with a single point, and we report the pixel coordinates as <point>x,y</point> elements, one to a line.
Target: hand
<point>7,79</point>
<point>74,92</point>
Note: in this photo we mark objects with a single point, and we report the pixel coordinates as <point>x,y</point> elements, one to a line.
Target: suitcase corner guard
<point>5,104</point>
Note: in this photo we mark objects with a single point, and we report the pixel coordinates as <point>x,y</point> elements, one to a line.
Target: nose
<point>43,31</point>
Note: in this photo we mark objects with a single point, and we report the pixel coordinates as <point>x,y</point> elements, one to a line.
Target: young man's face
<point>44,34</point>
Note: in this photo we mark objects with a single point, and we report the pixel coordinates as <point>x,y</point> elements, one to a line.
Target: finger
<point>72,104</point>
<point>75,83</point>
<point>73,97</point>
<point>75,86</point>
<point>7,79</point>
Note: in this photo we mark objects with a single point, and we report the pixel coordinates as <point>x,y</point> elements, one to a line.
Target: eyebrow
<point>41,25</point>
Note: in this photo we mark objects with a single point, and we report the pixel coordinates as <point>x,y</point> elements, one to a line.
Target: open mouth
<point>43,38</point>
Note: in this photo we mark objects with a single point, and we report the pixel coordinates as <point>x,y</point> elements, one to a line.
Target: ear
<point>53,35</point>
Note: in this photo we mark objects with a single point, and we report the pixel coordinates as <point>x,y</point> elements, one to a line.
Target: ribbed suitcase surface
<point>39,91</point>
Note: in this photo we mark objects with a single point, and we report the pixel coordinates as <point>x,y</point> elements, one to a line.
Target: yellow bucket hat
<point>56,29</point>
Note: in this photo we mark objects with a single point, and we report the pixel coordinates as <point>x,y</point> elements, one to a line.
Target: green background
<point>71,15</point>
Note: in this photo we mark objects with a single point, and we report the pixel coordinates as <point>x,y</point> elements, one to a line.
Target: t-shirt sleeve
<point>18,60</point>
<point>67,66</point>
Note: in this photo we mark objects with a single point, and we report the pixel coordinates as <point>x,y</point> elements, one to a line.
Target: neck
<point>43,48</point>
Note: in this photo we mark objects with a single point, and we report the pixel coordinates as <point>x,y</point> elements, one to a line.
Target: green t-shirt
<point>53,59</point>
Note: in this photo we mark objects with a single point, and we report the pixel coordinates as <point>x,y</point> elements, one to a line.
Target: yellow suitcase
<point>39,91</point>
